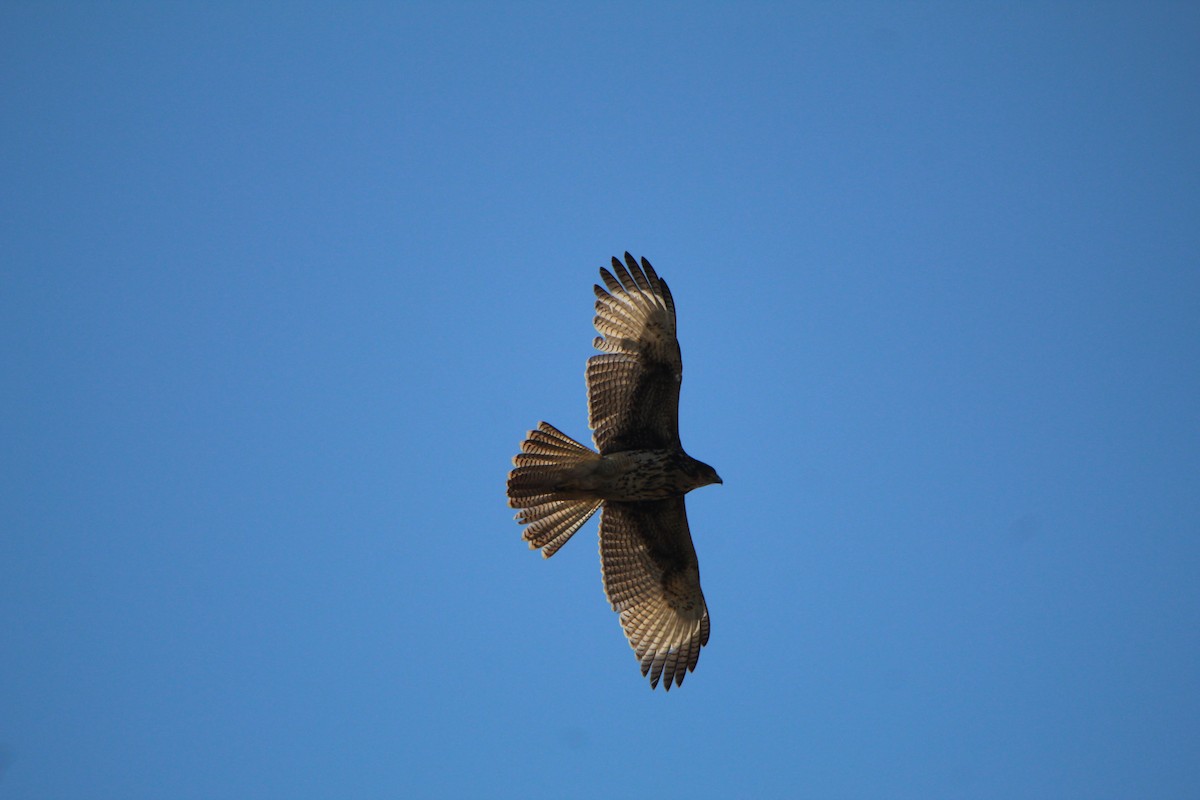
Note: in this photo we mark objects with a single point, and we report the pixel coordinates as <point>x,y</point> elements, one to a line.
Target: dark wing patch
<point>652,578</point>
<point>633,388</point>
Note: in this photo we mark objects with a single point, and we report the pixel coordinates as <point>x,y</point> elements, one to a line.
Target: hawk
<point>637,479</point>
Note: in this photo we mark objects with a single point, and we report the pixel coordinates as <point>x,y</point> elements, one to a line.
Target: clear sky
<point>282,286</point>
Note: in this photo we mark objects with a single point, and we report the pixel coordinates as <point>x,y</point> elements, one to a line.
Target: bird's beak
<point>720,481</point>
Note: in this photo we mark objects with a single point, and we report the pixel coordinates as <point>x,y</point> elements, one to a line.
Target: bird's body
<point>639,476</point>
<point>629,475</point>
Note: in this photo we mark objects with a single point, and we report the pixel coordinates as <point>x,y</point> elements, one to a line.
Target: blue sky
<point>283,286</point>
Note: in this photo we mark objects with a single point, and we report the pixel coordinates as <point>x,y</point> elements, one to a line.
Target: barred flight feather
<point>656,592</point>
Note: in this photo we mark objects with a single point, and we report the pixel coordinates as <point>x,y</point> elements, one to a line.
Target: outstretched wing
<point>651,577</point>
<point>633,388</point>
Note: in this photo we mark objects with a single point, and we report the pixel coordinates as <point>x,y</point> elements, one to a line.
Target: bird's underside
<point>639,476</point>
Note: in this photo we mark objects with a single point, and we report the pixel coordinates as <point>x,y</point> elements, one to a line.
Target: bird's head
<point>704,474</point>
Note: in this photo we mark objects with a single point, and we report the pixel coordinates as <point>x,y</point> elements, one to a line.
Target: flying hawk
<point>638,478</point>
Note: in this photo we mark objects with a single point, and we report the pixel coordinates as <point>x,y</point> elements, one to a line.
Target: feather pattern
<point>652,579</point>
<point>633,387</point>
<point>545,454</point>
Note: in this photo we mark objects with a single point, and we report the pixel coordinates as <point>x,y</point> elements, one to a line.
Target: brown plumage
<point>638,477</point>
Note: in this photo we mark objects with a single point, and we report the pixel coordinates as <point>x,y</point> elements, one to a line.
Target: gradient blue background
<point>283,285</point>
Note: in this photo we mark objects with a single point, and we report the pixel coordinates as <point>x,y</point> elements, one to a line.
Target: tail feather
<point>552,531</point>
<point>546,455</point>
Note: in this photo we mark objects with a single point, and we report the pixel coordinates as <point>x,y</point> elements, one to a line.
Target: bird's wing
<point>633,387</point>
<point>652,578</point>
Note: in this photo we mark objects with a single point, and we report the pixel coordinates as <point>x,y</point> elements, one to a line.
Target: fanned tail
<point>547,457</point>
